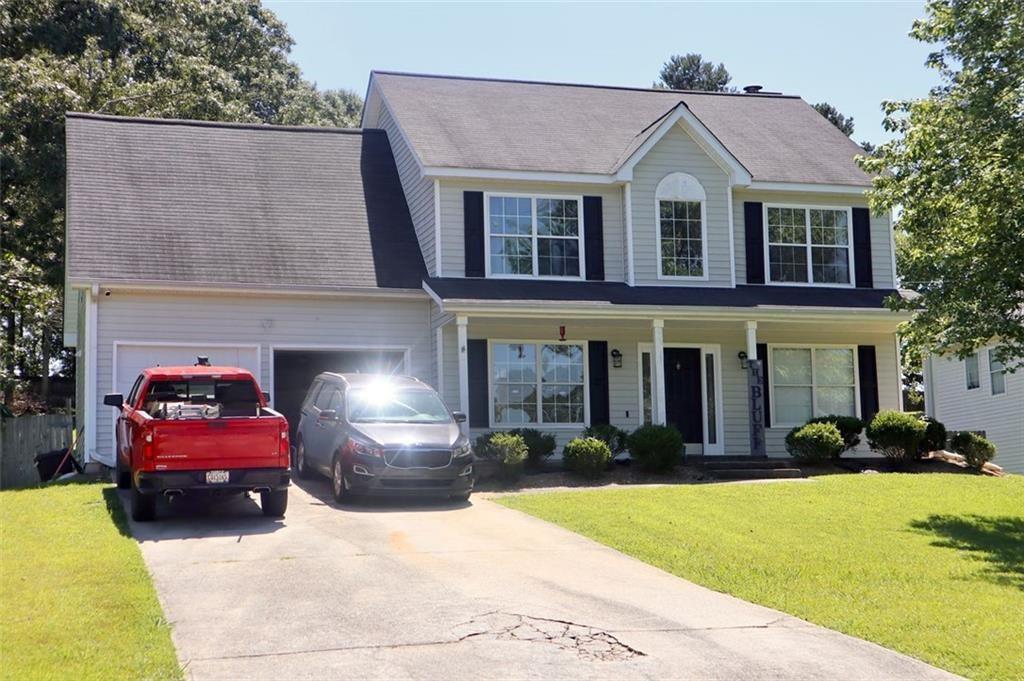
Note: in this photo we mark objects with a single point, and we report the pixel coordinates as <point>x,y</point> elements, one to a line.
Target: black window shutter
<point>600,412</point>
<point>862,247</point>
<point>762,354</point>
<point>473,219</point>
<point>754,221</point>
<point>593,237</point>
<point>479,401</point>
<point>868,374</point>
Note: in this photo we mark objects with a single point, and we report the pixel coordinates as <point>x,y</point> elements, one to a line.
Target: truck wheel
<point>143,506</point>
<point>301,467</point>
<point>338,481</point>
<point>122,476</point>
<point>274,503</point>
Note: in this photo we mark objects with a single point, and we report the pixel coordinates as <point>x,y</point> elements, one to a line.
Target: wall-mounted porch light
<point>743,359</point>
<point>616,358</point>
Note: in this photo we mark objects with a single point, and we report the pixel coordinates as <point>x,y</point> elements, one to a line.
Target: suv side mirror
<point>459,416</point>
<point>328,415</point>
<point>113,400</point>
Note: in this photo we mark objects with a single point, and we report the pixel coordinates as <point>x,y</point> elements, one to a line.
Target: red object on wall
<point>561,333</point>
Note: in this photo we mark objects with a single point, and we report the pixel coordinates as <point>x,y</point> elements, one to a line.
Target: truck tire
<point>301,466</point>
<point>274,503</point>
<point>338,481</point>
<point>122,475</point>
<point>143,506</point>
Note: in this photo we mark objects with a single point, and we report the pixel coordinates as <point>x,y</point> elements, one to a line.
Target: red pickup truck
<point>200,429</point>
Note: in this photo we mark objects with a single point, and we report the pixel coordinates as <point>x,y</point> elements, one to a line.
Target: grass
<point>76,600</point>
<point>929,565</point>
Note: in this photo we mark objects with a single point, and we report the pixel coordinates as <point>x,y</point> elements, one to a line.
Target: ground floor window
<point>537,383</point>
<point>812,381</point>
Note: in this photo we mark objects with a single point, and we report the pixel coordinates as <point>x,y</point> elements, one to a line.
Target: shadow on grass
<point>997,540</point>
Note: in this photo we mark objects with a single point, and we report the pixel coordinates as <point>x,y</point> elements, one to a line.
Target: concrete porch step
<point>754,473</point>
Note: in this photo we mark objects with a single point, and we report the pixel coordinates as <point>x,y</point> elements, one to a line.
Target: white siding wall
<point>256,320</point>
<point>453,251</point>
<point>881,229</point>
<point>677,152</point>
<point>419,191</point>
<point>1000,416</point>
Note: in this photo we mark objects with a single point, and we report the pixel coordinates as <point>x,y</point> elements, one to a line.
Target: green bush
<point>896,434</point>
<point>934,437</point>
<point>656,448</point>
<point>849,429</point>
<point>539,445</point>
<point>510,451</point>
<point>614,437</point>
<point>974,448</point>
<point>482,447</point>
<point>587,456</point>
<point>815,442</point>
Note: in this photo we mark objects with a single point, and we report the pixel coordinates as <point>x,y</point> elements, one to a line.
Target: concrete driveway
<point>469,591</point>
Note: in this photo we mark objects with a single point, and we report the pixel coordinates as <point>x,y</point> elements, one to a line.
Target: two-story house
<point>545,254</point>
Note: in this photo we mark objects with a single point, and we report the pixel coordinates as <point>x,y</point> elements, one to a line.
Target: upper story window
<point>972,375</point>
<point>682,214</point>
<point>534,236</point>
<point>808,245</point>
<point>996,373</point>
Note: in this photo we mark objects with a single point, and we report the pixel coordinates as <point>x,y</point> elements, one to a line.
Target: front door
<point>683,395</point>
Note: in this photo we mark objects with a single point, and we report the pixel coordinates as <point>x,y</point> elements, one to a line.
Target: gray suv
<point>378,434</point>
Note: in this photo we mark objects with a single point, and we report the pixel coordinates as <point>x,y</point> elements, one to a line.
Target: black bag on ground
<point>47,462</point>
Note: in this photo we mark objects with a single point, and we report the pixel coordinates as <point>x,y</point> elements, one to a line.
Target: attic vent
<point>752,89</point>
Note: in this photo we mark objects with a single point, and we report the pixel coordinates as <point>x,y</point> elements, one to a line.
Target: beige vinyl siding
<point>251,320</point>
<point>453,247</point>
<point>881,227</point>
<point>677,152</point>
<point>1000,416</point>
<point>419,191</point>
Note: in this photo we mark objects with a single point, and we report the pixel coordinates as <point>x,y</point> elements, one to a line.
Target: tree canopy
<point>832,114</point>
<point>226,61</point>
<point>956,173</point>
<point>691,72</point>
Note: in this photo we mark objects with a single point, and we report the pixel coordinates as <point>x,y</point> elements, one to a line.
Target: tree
<point>223,61</point>
<point>843,123</point>
<point>956,170</point>
<point>691,72</point>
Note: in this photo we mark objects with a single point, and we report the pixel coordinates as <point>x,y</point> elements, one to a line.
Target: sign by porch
<point>755,397</point>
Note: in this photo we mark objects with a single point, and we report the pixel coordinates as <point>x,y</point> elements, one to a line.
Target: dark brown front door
<point>683,395</point>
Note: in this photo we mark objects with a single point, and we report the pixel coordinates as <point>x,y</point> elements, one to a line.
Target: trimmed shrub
<point>614,437</point>
<point>815,442</point>
<point>896,434</point>
<point>934,437</point>
<point>482,447</point>
<point>849,429</point>
<point>510,451</point>
<point>587,456</point>
<point>539,445</point>
<point>656,448</point>
<point>974,448</point>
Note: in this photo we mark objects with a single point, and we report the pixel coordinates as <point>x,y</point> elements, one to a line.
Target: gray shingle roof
<point>215,203</point>
<point>517,125</point>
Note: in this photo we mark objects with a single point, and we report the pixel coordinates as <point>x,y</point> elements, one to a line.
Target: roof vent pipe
<point>752,89</point>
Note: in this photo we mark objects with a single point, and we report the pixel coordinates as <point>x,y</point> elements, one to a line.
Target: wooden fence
<point>21,438</point>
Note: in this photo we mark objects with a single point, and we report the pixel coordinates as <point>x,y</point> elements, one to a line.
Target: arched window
<point>682,215</point>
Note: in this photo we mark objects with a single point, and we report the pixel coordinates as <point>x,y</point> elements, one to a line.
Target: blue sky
<point>851,54</point>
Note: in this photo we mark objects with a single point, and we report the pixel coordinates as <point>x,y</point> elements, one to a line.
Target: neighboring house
<point>545,254</point>
<point>978,394</point>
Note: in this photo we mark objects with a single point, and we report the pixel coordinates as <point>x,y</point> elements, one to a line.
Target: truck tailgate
<point>224,443</point>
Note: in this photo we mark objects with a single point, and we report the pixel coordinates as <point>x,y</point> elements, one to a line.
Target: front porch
<point>561,370</point>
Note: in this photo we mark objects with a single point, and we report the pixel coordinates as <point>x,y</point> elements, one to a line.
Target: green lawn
<point>930,565</point>
<point>76,601</point>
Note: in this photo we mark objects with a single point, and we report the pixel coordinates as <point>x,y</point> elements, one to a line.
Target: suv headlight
<point>357,447</point>
<point>462,450</point>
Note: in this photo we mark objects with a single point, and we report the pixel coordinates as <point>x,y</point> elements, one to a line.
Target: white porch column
<point>752,341</point>
<point>461,324</point>
<point>658,380</point>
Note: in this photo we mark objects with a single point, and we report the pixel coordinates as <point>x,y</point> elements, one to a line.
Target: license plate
<point>214,477</point>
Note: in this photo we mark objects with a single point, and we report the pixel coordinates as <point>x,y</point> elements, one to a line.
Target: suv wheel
<point>301,467</point>
<point>338,480</point>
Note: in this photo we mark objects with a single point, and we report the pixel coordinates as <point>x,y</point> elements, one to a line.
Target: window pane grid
<point>808,245</point>
<point>680,228</point>
<point>810,382</point>
<point>534,236</point>
<point>538,383</point>
<point>996,374</point>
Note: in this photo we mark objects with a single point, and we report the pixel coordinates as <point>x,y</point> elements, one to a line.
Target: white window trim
<point>578,198</point>
<point>808,246</point>
<point>967,382</point>
<point>702,199</point>
<point>716,350</point>
<point>991,384</point>
<point>814,385</point>
<point>491,342</point>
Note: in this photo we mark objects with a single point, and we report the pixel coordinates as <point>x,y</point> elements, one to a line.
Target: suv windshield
<point>380,405</point>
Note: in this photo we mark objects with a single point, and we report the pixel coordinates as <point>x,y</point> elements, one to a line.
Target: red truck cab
<point>199,429</point>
